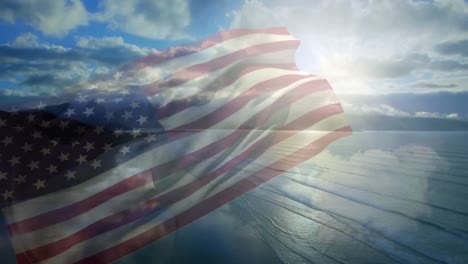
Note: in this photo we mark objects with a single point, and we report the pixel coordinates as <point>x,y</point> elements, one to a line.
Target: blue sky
<point>362,47</point>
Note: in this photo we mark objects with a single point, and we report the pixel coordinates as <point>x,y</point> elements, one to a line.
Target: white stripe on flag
<point>236,89</point>
<point>198,85</point>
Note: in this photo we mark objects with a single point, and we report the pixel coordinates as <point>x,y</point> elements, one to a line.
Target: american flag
<point>128,159</point>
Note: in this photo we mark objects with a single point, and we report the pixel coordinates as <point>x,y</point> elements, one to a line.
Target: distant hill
<point>376,122</point>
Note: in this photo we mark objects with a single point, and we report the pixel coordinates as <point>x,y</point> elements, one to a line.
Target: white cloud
<point>90,42</point>
<point>52,17</point>
<point>382,109</point>
<point>402,24</point>
<point>352,42</point>
<point>10,92</point>
<point>111,43</point>
<point>436,115</point>
<point>148,19</point>
<point>256,14</point>
<point>424,84</point>
<point>453,116</point>
<point>42,69</point>
<point>388,110</point>
<point>26,40</point>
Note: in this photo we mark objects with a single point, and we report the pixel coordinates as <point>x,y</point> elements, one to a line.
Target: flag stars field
<point>142,120</point>
<point>109,115</point>
<point>118,132</point>
<point>117,100</point>
<point>36,135</point>
<point>26,147</point>
<point>81,159</point>
<point>63,124</point>
<point>136,132</point>
<point>89,146</point>
<point>125,92</point>
<point>7,140</point>
<point>89,112</point>
<point>41,105</point>
<point>33,165</point>
<point>99,130</point>
<point>14,160</point>
<point>82,99</point>
<point>52,169</point>
<point>54,142</point>
<point>70,112</point>
<point>70,175</point>
<point>107,147</point>
<point>135,105</point>
<point>100,100</point>
<point>39,184</point>
<point>7,195</point>
<point>3,175</point>
<point>124,150</point>
<point>63,157</point>
<point>75,143</point>
<point>45,124</point>
<point>127,115</point>
<point>96,164</point>
<point>19,128</point>
<point>20,179</point>
<point>45,151</point>
<point>31,117</point>
<point>150,138</point>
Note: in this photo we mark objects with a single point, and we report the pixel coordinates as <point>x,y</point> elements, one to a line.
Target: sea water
<point>373,197</point>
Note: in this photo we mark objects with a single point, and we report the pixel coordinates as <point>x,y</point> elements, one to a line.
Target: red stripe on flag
<point>73,210</point>
<point>194,47</point>
<point>201,69</point>
<point>224,80</point>
<point>240,101</point>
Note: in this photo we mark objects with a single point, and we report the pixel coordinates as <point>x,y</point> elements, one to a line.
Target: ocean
<point>373,197</point>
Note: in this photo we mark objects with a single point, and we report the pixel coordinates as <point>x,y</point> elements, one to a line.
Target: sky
<point>366,48</point>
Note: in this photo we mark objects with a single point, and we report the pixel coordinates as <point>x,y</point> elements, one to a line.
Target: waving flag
<point>135,156</point>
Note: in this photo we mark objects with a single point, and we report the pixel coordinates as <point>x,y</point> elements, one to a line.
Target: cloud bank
<point>42,69</point>
<point>148,19</point>
<point>372,46</point>
<point>51,17</point>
